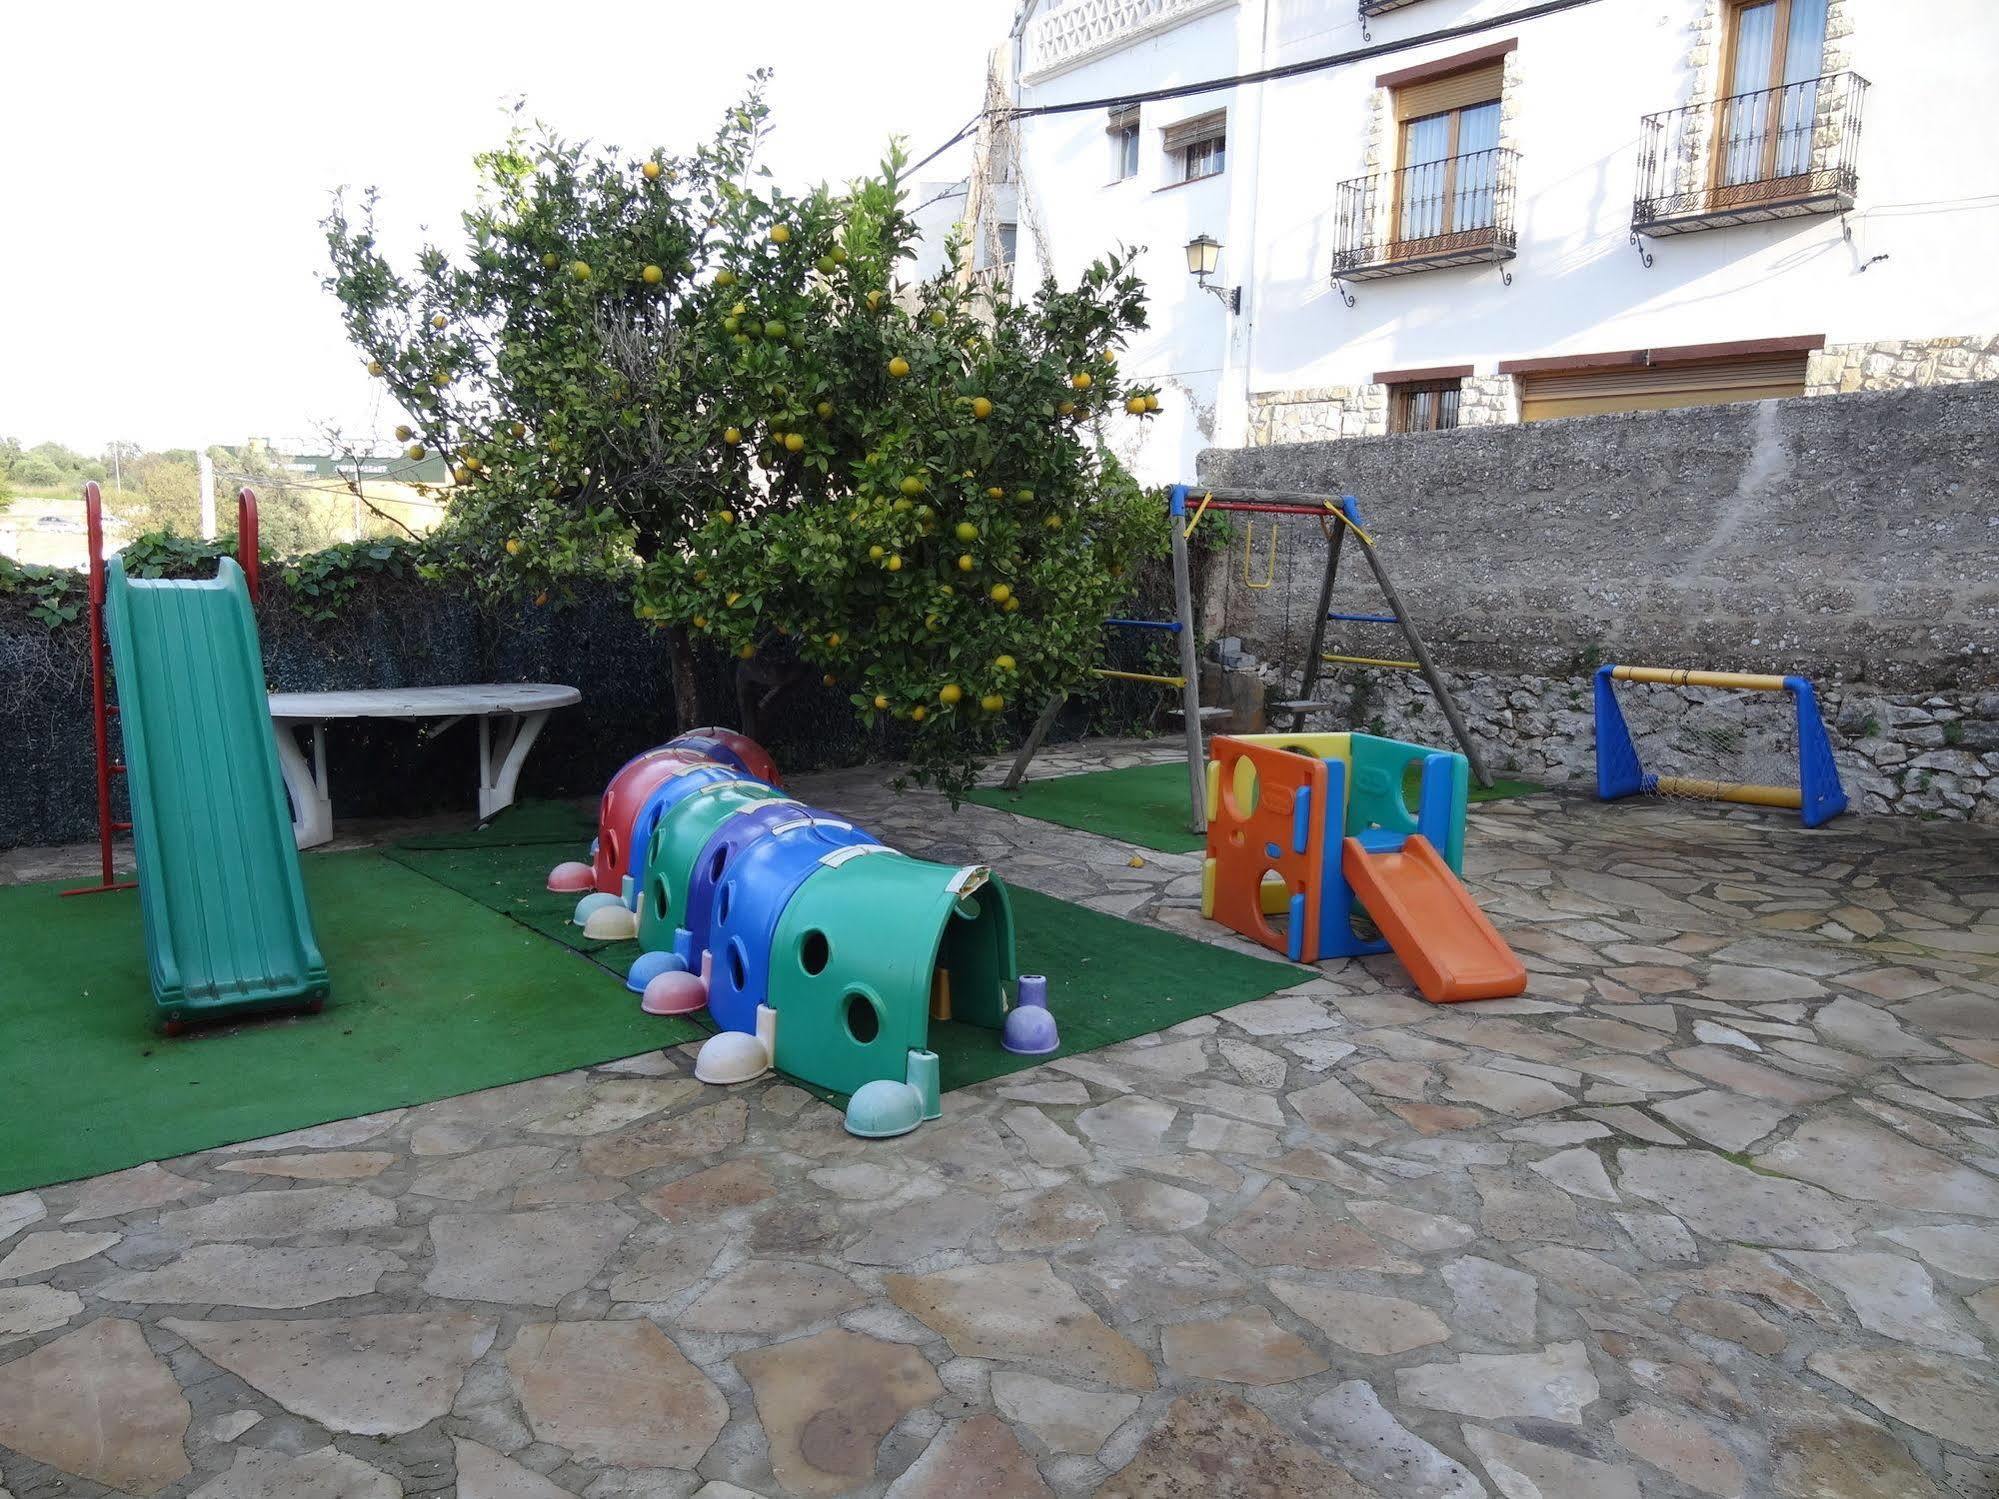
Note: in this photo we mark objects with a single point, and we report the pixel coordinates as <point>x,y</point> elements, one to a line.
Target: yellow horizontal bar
<point>1139,676</point>
<point>1731,791</point>
<point>1672,676</point>
<point>1370,661</point>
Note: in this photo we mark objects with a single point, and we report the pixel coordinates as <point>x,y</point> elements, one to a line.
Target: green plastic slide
<point>227,929</point>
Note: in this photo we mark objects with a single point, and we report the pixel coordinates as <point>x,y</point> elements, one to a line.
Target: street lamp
<point>1204,253</point>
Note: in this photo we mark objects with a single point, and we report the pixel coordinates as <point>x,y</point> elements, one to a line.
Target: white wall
<point>1584,78</point>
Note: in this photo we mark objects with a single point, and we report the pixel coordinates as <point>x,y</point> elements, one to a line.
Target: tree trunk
<point>686,695</point>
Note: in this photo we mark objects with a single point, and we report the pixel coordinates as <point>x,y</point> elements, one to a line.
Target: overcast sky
<point>163,168</point>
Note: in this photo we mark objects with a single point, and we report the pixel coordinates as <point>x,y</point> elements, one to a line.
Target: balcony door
<point>1448,174</point>
<point>1764,131</point>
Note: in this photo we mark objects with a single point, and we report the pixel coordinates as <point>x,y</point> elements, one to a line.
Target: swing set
<point>1337,517</point>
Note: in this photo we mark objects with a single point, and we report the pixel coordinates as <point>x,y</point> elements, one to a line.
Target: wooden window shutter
<point>1193,132</point>
<point>1655,387</point>
<point>1123,119</point>
<point>1433,96</point>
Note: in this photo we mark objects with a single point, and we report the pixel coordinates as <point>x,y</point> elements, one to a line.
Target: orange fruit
<point>895,562</point>
<point>374,366</point>
<point>1004,663</point>
<point>995,493</point>
<point>437,320</point>
<point>981,408</point>
<point>877,553</point>
<point>404,434</point>
<point>725,278</point>
<point>898,367</point>
<point>967,531</point>
<point>992,702</point>
<point>780,234</point>
<point>965,563</point>
<point>1000,593</point>
<point>651,170</point>
<point>1081,380</point>
<point>652,275</point>
<point>919,713</point>
<point>913,486</point>
<point>1136,405</point>
<point>732,435</point>
<point>880,702</point>
<point>513,546</point>
<point>416,452</point>
<point>580,270</point>
<point>794,442</point>
<point>833,639</point>
<point>950,694</point>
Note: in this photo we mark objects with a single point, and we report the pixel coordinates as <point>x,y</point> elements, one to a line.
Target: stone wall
<point>1852,539</point>
<point>1899,363</point>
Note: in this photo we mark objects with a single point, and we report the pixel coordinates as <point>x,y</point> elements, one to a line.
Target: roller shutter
<point>1433,96</point>
<point>1656,387</point>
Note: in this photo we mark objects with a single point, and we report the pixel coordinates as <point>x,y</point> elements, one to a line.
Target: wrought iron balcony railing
<point>1382,7</point>
<point>1458,211</point>
<point>995,281</point>
<point>1776,153</point>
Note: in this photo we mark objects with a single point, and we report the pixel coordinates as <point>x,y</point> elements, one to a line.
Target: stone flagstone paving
<point>1712,1211</point>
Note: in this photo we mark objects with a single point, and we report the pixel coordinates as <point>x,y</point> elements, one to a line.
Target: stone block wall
<point>1900,363</point>
<point>1853,539</point>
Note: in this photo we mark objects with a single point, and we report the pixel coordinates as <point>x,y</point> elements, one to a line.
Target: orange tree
<point>664,365</point>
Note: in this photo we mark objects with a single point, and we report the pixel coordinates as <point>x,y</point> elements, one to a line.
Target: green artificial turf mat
<point>523,824</point>
<point>1141,804</point>
<point>1108,979</point>
<point>432,996</point>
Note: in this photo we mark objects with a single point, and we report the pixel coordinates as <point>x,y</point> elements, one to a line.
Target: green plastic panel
<point>851,965</point>
<point>227,929</point>
<point>1379,796</point>
<point>676,843</point>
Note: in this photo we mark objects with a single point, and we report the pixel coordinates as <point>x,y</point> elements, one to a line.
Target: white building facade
<point>1456,212</point>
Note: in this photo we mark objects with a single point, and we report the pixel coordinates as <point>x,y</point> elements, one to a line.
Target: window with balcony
<point>1123,132</point>
<point>1448,200</point>
<point>1197,148</point>
<point>1781,141</point>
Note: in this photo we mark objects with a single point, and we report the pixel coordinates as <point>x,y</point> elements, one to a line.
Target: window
<point>1123,131</point>
<point>1423,406</point>
<point>1448,139</point>
<point>1776,52</point>
<point>1009,238</point>
<point>1197,148</point>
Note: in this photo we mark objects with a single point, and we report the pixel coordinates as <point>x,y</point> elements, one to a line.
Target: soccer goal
<point>1715,736</point>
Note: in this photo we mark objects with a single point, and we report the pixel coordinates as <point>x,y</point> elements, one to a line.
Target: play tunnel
<point>867,944</point>
<point>663,799</point>
<point>676,843</point>
<point>757,886</point>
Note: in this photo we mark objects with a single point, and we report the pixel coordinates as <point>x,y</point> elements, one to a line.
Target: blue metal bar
<point>1176,501</point>
<point>1367,619</point>
<point>1172,625</point>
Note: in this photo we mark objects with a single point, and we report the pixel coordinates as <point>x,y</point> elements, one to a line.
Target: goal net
<point>1714,736</point>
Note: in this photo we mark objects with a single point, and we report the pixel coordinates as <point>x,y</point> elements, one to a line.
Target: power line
<point>1267,75</point>
<point>963,130</point>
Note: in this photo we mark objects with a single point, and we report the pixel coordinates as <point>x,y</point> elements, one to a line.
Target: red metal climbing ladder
<point>102,709</point>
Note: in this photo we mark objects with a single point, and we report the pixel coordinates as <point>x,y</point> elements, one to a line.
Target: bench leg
<point>306,784</point>
<point>502,752</point>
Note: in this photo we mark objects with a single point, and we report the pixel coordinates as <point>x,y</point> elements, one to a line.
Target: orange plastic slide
<point>1430,919</point>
